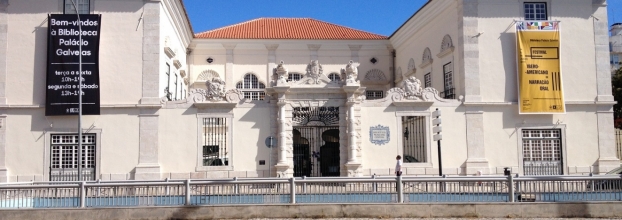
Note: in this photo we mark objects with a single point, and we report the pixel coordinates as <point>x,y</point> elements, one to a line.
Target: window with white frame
<point>535,11</point>
<point>252,88</point>
<point>448,76</point>
<point>215,137</point>
<point>84,6</point>
<point>427,80</point>
<point>542,152</point>
<point>294,77</point>
<point>374,94</point>
<point>64,157</point>
<point>334,77</point>
<point>167,90</point>
<point>176,87</point>
<point>414,139</point>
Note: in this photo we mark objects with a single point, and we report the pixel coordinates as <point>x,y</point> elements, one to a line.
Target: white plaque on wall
<point>379,135</point>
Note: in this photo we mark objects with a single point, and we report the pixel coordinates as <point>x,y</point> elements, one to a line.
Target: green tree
<point>616,85</point>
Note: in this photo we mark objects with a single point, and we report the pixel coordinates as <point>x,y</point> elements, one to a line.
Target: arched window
<point>294,77</point>
<point>252,88</point>
<point>334,77</point>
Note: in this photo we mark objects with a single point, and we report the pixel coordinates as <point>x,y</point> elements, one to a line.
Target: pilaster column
<point>151,54</point>
<point>353,165</point>
<point>4,25</point>
<point>284,167</point>
<point>3,171</point>
<point>354,52</point>
<point>476,151</point>
<point>148,167</point>
<point>229,66</point>
<point>271,60</point>
<point>313,48</point>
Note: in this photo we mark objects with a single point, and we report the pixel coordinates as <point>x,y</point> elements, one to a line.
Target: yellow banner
<point>539,75</point>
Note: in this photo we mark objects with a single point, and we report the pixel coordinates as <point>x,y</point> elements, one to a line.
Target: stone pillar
<point>4,25</point>
<point>151,54</point>
<point>3,171</point>
<point>283,167</point>
<point>313,48</point>
<point>469,47</point>
<point>607,158</point>
<point>353,164</point>
<point>271,61</point>
<point>148,167</point>
<point>230,84</point>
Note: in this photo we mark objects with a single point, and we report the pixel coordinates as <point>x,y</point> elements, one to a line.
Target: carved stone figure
<point>281,73</point>
<point>412,88</point>
<point>216,89</point>
<point>314,70</point>
<point>350,73</point>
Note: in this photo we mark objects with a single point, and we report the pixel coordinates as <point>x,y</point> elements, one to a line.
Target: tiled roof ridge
<point>378,36</point>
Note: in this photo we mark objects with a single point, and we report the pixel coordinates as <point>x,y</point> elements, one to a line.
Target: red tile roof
<point>288,28</point>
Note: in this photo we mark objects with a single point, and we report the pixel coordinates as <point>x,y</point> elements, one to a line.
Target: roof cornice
<point>420,19</point>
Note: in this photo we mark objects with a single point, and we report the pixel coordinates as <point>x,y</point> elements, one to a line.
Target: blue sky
<point>376,16</point>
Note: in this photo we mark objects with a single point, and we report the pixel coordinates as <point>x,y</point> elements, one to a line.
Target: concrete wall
<point>476,210</point>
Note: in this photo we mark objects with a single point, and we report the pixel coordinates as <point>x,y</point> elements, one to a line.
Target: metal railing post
<point>187,192</point>
<point>304,185</point>
<point>400,190</point>
<point>511,188</point>
<point>374,184</point>
<point>236,187</point>
<point>82,194</point>
<point>168,187</point>
<point>292,190</point>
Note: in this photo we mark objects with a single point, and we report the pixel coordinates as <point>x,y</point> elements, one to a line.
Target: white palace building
<point>329,100</point>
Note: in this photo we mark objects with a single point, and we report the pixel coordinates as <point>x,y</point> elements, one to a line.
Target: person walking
<point>398,166</point>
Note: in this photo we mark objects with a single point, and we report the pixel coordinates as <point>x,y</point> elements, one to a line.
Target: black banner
<point>63,65</point>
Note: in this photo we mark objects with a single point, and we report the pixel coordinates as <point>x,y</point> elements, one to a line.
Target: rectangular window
<point>214,148</point>
<point>428,80</point>
<point>176,85</point>
<point>374,94</point>
<point>84,6</point>
<point>167,90</point>
<point>448,76</point>
<point>414,139</point>
<point>64,157</point>
<point>254,95</point>
<point>535,11</point>
<point>542,152</point>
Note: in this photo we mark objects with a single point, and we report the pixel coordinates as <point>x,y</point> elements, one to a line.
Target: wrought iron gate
<point>316,141</point>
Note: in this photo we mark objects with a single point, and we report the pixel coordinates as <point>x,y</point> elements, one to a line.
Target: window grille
<point>414,139</point>
<point>215,152</point>
<point>542,152</point>
<point>427,80</point>
<point>64,157</point>
<point>535,11</point>
<point>374,94</point>
<point>252,88</point>
<point>294,77</point>
<point>83,7</point>
<point>448,76</point>
<point>334,77</point>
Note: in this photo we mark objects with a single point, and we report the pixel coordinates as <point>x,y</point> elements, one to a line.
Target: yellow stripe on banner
<point>539,73</point>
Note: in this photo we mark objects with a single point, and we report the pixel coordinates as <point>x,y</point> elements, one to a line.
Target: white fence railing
<point>310,190</point>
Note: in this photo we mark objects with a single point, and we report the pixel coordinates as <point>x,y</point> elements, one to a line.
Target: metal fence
<point>310,190</point>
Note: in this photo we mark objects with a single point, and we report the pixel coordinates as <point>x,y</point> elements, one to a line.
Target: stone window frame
<point>519,147</point>
<point>428,124</point>
<point>48,150</point>
<point>229,118</point>
<point>522,8</point>
<point>61,6</point>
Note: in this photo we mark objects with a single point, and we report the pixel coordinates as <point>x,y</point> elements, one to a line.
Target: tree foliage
<point>616,86</point>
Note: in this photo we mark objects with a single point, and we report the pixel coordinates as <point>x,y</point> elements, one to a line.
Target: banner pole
<point>79,92</point>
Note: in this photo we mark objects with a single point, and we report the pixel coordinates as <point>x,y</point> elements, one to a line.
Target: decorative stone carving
<point>197,95</point>
<point>411,64</point>
<point>207,75</point>
<point>216,89</point>
<point>281,73</point>
<point>426,59</point>
<point>411,90</point>
<point>412,87</point>
<point>314,71</point>
<point>375,76</point>
<point>447,43</point>
<point>234,95</point>
<point>350,73</point>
